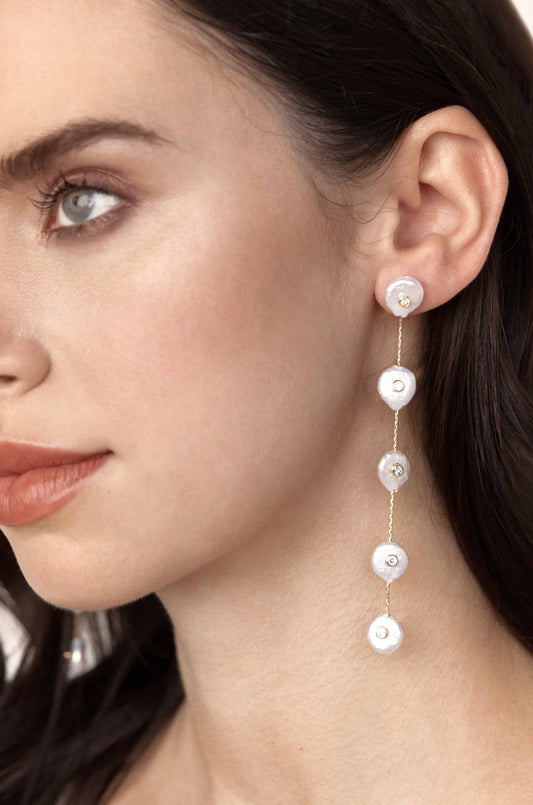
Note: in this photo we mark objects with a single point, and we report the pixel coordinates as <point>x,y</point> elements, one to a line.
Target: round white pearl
<point>388,472</point>
<point>391,392</point>
<point>404,286</point>
<point>393,569</point>
<point>391,629</point>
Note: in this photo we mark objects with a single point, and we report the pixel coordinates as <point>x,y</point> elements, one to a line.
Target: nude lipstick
<point>37,481</point>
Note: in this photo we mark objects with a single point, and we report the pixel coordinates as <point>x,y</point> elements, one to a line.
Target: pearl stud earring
<point>396,387</point>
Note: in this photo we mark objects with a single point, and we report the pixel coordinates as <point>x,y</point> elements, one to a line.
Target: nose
<point>24,364</point>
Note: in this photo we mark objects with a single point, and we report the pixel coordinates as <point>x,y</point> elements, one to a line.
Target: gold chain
<point>395,447</point>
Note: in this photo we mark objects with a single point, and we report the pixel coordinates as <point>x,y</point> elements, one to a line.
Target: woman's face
<point>199,328</point>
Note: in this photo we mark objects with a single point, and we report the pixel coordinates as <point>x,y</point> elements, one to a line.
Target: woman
<point>198,299</point>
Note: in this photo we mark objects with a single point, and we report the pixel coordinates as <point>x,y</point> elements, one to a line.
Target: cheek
<point>237,377</point>
<point>224,377</point>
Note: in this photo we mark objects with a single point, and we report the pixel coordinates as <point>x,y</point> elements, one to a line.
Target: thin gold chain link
<point>395,447</point>
<point>400,319</point>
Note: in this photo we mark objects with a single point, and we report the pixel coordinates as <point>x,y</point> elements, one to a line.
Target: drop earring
<point>396,387</point>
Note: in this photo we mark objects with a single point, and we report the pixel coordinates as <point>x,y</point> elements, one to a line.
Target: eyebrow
<point>34,158</point>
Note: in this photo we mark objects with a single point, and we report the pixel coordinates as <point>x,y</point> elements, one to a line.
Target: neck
<point>285,699</point>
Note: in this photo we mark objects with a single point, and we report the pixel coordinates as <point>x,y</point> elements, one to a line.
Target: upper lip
<point>16,457</point>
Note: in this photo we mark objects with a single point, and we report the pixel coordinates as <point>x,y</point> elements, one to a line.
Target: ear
<point>445,188</point>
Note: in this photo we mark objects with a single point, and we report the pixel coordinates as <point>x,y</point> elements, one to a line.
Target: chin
<point>73,594</point>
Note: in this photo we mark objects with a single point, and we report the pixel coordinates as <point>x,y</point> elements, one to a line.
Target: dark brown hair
<point>355,74</point>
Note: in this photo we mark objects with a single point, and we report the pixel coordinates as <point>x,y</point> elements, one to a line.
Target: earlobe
<point>448,183</point>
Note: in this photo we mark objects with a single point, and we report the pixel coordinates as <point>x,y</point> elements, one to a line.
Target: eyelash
<point>49,198</point>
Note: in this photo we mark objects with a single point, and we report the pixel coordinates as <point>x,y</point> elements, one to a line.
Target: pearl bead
<point>397,291</point>
<point>385,634</point>
<point>384,565</point>
<point>393,470</point>
<point>389,388</point>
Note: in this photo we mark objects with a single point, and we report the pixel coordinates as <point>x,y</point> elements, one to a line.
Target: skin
<point>225,340</point>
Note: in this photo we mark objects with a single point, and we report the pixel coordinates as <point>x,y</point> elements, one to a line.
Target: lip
<point>17,457</point>
<point>37,481</point>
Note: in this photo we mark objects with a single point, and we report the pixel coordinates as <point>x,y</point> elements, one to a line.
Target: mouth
<point>38,492</point>
<point>19,457</point>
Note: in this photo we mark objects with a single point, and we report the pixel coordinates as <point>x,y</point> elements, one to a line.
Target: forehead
<point>63,60</point>
<point>38,39</point>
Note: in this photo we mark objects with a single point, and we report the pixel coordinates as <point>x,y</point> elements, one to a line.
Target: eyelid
<point>92,174</point>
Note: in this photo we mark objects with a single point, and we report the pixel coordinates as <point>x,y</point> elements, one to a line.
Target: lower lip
<point>39,493</point>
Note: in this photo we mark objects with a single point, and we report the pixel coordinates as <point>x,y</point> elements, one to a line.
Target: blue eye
<point>83,199</point>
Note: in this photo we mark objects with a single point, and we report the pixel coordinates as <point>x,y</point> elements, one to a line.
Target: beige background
<point>525,9</point>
